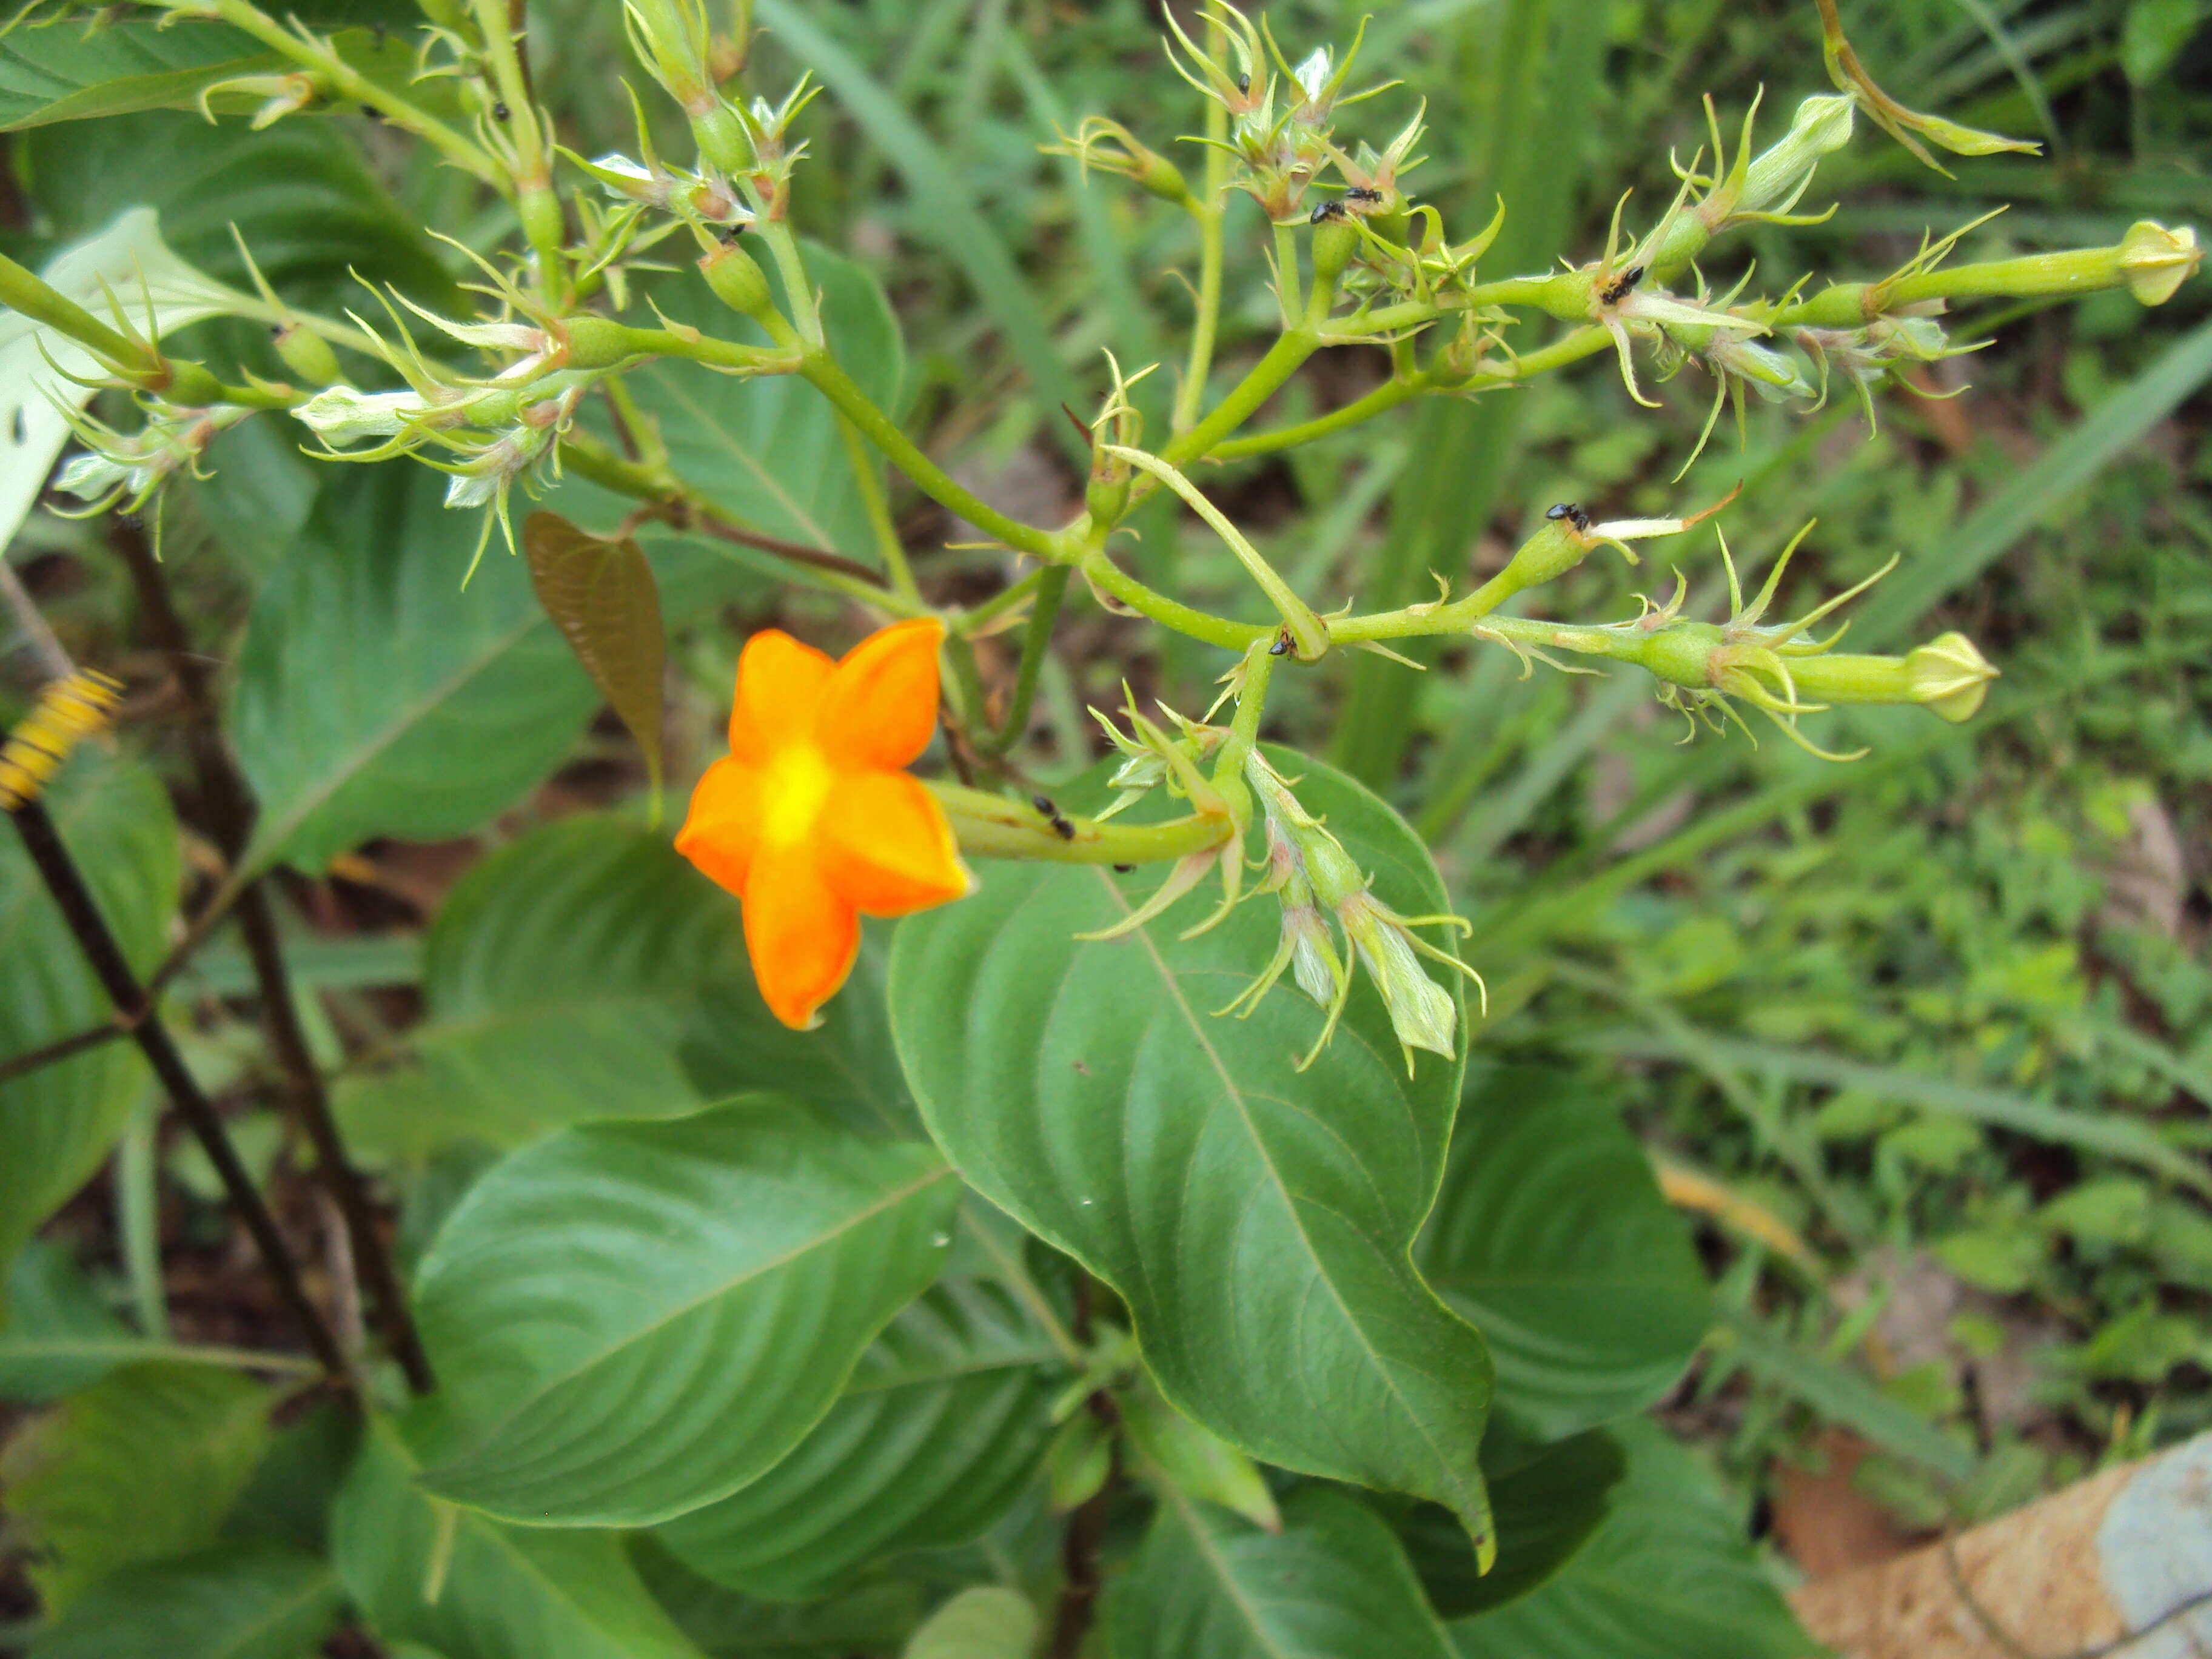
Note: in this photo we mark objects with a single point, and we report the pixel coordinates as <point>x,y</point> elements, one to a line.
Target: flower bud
<point>737,281</point>
<point>2155,261</point>
<point>340,414</point>
<point>308,355</point>
<point>1949,677</point>
<point>1421,1011</point>
<point>1334,242</point>
<point>596,342</point>
<point>1823,126</point>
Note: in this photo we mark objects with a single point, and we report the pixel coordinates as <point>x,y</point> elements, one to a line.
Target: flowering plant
<point>1144,1204</point>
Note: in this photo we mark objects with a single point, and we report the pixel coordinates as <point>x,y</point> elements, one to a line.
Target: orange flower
<point>812,820</point>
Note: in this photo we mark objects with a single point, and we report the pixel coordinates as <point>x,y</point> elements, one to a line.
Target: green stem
<point>543,225</point>
<point>1251,704</point>
<point>1264,379</point>
<point>348,83</point>
<point>22,291</point>
<point>878,508</point>
<point>1108,578</point>
<point>969,623</point>
<point>1387,395</point>
<point>138,1207</point>
<point>798,286</point>
<point>965,690</point>
<point>992,827</point>
<point>1208,211</point>
<point>824,373</point>
<point>1052,589</point>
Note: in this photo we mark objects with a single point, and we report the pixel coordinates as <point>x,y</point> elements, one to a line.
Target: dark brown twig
<point>82,913</point>
<point>54,1053</point>
<point>798,552</point>
<point>230,811</point>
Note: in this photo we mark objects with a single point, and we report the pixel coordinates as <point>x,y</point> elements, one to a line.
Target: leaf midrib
<point>1235,1095</point>
<point>887,1202</point>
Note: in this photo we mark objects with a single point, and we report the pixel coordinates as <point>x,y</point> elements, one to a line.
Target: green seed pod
<point>723,140</point>
<point>2155,261</point>
<point>597,342</point>
<point>308,355</point>
<point>1334,242</point>
<point>737,281</point>
<point>1949,677</point>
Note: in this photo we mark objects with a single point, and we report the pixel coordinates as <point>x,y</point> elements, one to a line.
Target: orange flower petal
<point>721,831</point>
<point>880,707</point>
<point>779,684</point>
<point>886,846</point>
<point>801,935</point>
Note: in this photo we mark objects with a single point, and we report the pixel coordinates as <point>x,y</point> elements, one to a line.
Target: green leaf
<point>559,976</point>
<point>71,70</point>
<point>420,1571</point>
<point>258,1600</point>
<point>630,1321</point>
<point>601,596</point>
<point>943,1423</point>
<point>1332,1584</point>
<point>50,1300</point>
<point>767,452</point>
<point>871,1622</point>
<point>1548,1505</point>
<point>1256,1220</point>
<point>986,1622</point>
<point>1551,1236</point>
<point>1670,1575</point>
<point>58,1122</point>
<point>376,697</point>
<point>306,204</point>
<point>141,1466</point>
<point>2153,35</point>
<point>1196,1464</point>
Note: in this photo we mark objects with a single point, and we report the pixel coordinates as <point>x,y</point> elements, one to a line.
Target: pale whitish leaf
<point>1255,1218</point>
<point>601,596</point>
<point>159,291</point>
<point>468,1587</point>
<point>254,1601</point>
<point>1332,1584</point>
<point>58,1123</point>
<point>767,452</point>
<point>1670,1574</point>
<point>943,1424</point>
<point>1551,1236</point>
<point>375,695</point>
<point>631,1321</point>
<point>559,976</point>
<point>140,1465</point>
<point>986,1622</point>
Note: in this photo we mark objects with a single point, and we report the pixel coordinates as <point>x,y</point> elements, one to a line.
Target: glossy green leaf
<point>468,1588</point>
<point>986,1622</point>
<point>631,1321</point>
<point>71,68</point>
<point>58,1123</point>
<point>1669,1575</point>
<point>767,452</point>
<point>1196,1462</point>
<point>1551,1236</point>
<point>601,596</point>
<point>558,976</point>
<point>48,1300</point>
<point>1256,1219</point>
<point>140,1465</point>
<point>1332,1584</point>
<point>1548,1501</point>
<point>943,1424</point>
<point>257,1600</point>
<point>377,696</point>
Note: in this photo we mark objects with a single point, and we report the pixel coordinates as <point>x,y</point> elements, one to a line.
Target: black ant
<point>1325,210</point>
<point>1573,514</point>
<point>1283,646</point>
<point>1618,290</point>
<point>1123,869</point>
<point>1061,826</point>
<point>729,233</point>
<point>1363,194</point>
<point>499,110</point>
<point>1243,85</point>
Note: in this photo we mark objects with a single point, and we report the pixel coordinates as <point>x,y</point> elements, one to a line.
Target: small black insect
<point>1622,286</point>
<point>729,233</point>
<point>1573,514</point>
<point>1324,211</point>
<point>499,110</point>
<point>371,111</point>
<point>1123,869</point>
<point>1243,83</point>
<point>1061,826</point>
<point>17,428</point>
<point>1282,647</point>
<point>1363,194</point>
